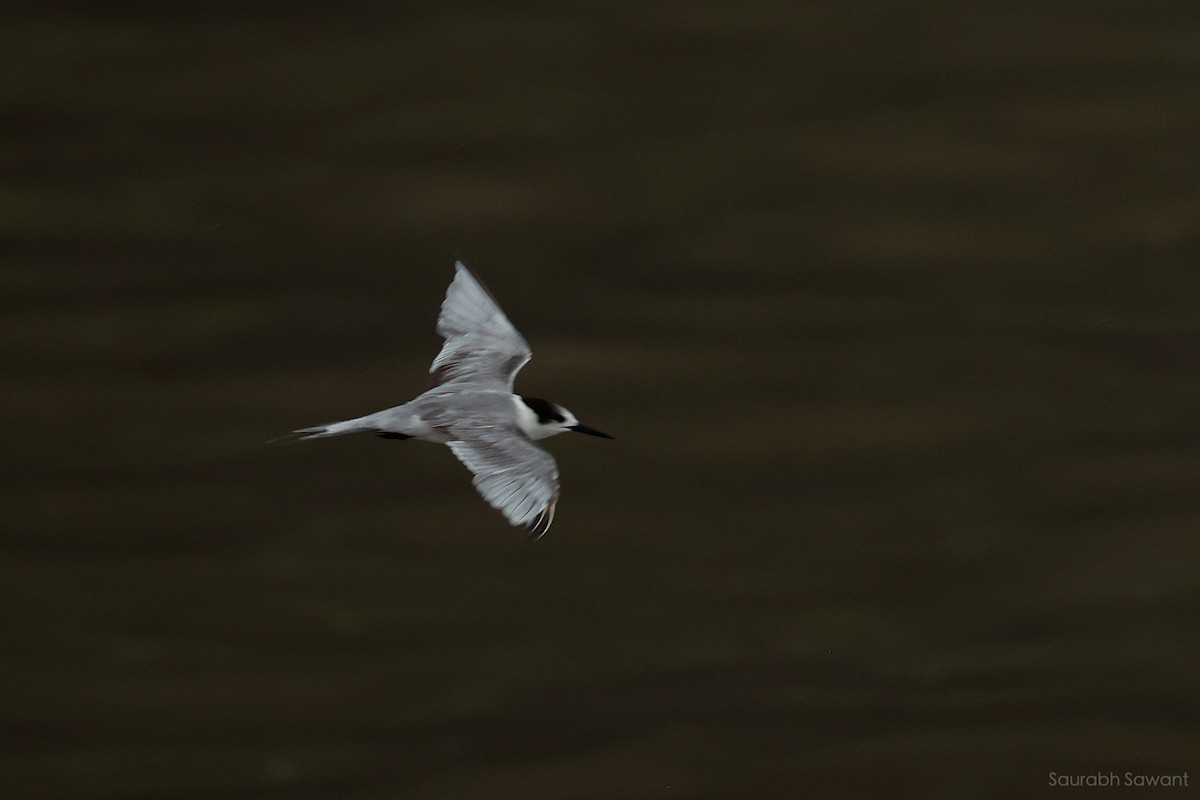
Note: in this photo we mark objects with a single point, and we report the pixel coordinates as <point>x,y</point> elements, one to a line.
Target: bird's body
<point>473,410</point>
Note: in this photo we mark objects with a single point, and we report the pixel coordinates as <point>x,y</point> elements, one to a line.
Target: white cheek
<point>528,421</point>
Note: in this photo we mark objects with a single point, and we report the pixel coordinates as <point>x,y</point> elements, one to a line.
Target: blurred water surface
<point>892,308</point>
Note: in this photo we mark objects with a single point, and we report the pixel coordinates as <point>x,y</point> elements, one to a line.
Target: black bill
<point>581,428</point>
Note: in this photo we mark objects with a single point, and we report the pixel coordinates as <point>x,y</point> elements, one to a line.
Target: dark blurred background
<point>891,306</point>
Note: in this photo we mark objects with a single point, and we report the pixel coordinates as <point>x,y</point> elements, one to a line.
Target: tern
<point>473,410</point>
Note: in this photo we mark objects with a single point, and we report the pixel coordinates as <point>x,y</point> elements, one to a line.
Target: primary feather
<point>481,345</point>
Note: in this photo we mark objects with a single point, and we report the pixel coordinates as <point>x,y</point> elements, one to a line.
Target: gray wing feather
<point>481,346</point>
<point>514,475</point>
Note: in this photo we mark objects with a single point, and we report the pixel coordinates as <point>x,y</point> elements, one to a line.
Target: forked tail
<point>345,428</point>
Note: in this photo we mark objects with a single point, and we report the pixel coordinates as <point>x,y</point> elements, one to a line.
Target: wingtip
<point>543,521</point>
<point>462,269</point>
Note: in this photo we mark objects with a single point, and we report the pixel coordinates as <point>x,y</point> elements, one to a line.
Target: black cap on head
<point>546,411</point>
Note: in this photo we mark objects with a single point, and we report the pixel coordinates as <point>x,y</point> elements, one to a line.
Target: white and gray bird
<point>473,410</point>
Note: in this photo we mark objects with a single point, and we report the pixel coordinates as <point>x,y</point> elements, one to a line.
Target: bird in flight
<point>473,410</point>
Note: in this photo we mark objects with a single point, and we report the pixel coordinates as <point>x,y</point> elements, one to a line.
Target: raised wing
<point>482,346</point>
<point>513,474</point>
